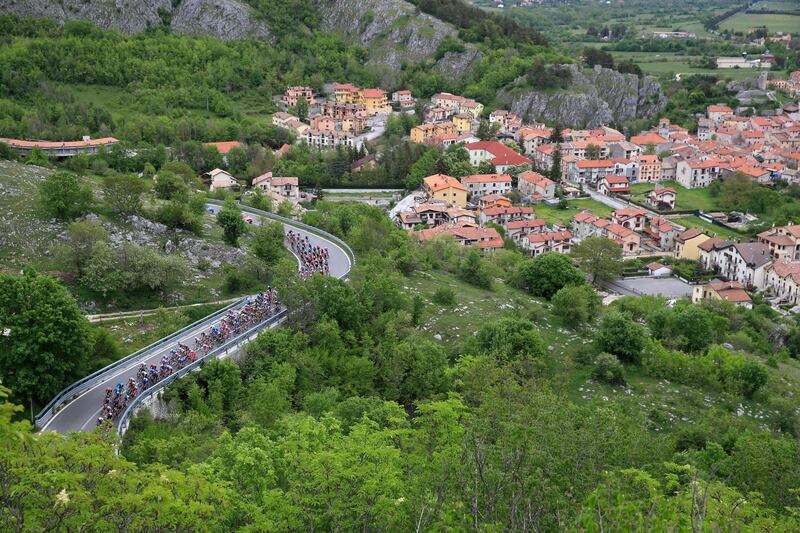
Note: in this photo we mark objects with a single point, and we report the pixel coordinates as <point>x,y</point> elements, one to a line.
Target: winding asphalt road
<point>81,413</point>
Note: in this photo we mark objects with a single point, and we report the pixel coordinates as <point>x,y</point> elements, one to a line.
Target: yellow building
<point>686,244</point>
<point>375,100</point>
<point>463,122</point>
<point>425,132</point>
<point>420,133</point>
<point>472,107</point>
<point>346,93</point>
<point>443,188</point>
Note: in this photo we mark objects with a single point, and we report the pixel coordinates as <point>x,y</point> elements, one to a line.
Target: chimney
<point>86,138</point>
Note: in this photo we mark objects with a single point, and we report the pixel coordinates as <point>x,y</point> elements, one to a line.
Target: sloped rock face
<point>395,32</point>
<point>594,98</point>
<point>127,16</point>
<point>222,19</point>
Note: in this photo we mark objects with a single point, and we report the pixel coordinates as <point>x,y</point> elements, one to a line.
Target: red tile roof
<point>374,93</point>
<point>225,146</point>
<point>438,182</point>
<point>486,178</point>
<point>530,223</point>
<point>503,155</point>
<point>648,138</point>
<point>595,163</point>
<point>53,145</point>
<point>616,180</point>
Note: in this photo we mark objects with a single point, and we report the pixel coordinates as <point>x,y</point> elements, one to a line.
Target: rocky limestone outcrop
<point>595,97</point>
<point>395,32</point>
<point>223,19</point>
<point>127,16</point>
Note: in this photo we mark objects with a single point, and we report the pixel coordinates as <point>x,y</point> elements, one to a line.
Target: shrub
<point>621,336</point>
<point>576,305</point>
<point>510,339</point>
<point>608,369</point>
<point>545,274</point>
<point>235,280</point>
<point>444,296</point>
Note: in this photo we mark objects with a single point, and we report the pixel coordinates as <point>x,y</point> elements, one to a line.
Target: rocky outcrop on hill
<point>395,32</point>
<point>594,98</point>
<point>223,19</point>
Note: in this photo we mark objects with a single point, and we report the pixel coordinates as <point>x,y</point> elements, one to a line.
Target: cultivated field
<point>742,22</point>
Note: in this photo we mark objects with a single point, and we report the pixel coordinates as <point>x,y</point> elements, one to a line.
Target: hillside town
<point>499,209</point>
<point>527,167</point>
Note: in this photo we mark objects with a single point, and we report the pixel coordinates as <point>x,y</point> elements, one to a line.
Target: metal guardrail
<point>79,387</point>
<point>291,222</point>
<point>122,422</point>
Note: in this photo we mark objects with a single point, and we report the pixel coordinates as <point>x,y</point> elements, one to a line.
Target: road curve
<point>81,413</point>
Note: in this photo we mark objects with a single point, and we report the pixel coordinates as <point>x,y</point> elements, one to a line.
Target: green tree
<point>301,109</point>
<point>237,161</point>
<point>6,152</point>
<point>170,186</point>
<point>267,242</point>
<point>48,338</point>
<point>180,168</point>
<point>545,274</point>
<point>576,305</point>
<point>768,464</point>
<point>285,208</point>
<point>123,193</point>
<point>78,164</point>
<point>36,156</point>
<point>599,257</point>
<point>229,218</point>
<point>620,335</point>
<point>473,271</point>
<point>607,369</point>
<point>100,271</point>
<point>685,327</point>
<point>510,339</point>
<point>417,309</point>
<point>444,296</point>
<point>555,167</point>
<point>422,168</point>
<point>63,195</point>
<point>261,201</point>
<point>81,238</point>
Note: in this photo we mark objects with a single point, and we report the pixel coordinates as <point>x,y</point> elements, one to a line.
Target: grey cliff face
<point>395,32</point>
<point>223,19</point>
<point>594,98</point>
<point>127,16</point>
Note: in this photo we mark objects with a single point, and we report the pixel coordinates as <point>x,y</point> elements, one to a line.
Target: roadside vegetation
<point>417,368</point>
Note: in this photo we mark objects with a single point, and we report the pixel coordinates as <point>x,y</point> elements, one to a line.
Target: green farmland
<point>742,22</point>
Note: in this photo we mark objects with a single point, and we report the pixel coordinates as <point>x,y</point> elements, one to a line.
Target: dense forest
<point>354,417</point>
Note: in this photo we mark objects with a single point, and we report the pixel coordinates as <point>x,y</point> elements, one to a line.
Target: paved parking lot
<point>667,287</point>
